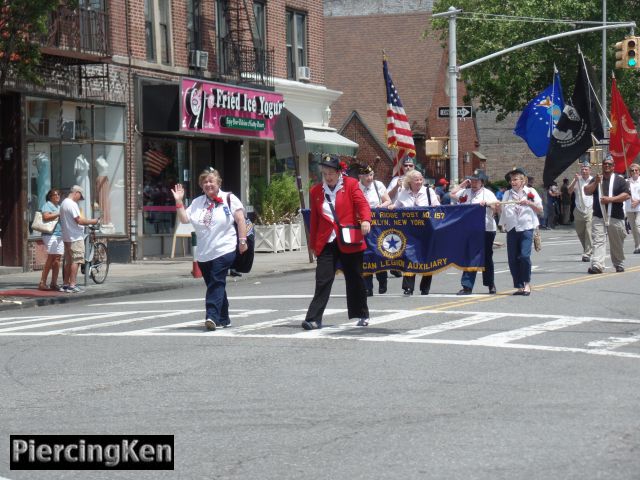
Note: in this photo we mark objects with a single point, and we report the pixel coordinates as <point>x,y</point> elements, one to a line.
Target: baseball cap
<point>78,189</point>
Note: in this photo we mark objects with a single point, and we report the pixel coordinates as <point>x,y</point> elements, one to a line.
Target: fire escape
<point>77,53</point>
<point>242,55</point>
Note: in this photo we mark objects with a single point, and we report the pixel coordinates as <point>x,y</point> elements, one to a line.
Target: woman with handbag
<point>340,216</point>
<point>53,241</point>
<point>415,194</point>
<point>520,208</point>
<point>214,221</point>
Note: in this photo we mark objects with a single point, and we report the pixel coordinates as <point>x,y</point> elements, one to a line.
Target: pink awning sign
<point>220,109</point>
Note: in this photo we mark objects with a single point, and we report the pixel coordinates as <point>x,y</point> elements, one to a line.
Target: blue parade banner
<point>425,240</point>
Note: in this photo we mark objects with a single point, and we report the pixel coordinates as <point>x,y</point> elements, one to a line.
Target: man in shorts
<point>72,223</point>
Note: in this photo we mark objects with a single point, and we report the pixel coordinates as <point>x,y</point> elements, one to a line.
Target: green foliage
<point>23,23</point>
<point>281,201</point>
<point>507,83</point>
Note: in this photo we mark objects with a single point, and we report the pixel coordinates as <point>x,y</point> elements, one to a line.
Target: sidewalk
<point>20,290</point>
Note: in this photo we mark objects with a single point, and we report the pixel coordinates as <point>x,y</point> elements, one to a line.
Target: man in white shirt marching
<point>583,213</point>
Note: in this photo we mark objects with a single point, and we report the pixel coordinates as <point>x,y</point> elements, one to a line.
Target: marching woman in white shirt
<point>473,191</point>
<point>519,218</point>
<point>377,196</point>
<point>415,194</point>
<point>632,206</point>
<point>213,219</point>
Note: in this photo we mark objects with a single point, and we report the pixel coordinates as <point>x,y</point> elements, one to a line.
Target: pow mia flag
<point>572,135</point>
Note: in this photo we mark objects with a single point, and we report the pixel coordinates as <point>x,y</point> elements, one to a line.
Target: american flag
<point>399,135</point>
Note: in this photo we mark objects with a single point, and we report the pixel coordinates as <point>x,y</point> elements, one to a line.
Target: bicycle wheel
<point>99,263</point>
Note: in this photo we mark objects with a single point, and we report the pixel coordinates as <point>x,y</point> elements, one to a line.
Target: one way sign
<point>463,112</point>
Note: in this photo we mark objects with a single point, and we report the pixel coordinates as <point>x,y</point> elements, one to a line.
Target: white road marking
<point>342,330</point>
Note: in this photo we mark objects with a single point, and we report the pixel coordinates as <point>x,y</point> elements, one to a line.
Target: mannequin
<point>82,178</point>
<point>43,180</point>
<point>103,188</point>
<point>116,203</point>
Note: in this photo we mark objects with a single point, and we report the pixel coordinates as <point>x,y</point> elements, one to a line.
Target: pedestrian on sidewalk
<point>73,223</point>
<point>214,221</point>
<point>338,201</point>
<point>53,242</point>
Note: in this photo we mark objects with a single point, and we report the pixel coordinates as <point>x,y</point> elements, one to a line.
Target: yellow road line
<point>570,281</point>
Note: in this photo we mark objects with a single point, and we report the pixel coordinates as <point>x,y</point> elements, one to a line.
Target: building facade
<point>140,95</point>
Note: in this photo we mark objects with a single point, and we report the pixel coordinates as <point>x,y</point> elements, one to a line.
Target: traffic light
<point>627,53</point>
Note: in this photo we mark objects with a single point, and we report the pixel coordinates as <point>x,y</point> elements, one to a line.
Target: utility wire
<point>478,16</point>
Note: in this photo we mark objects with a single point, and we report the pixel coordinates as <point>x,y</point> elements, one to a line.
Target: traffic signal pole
<point>454,69</point>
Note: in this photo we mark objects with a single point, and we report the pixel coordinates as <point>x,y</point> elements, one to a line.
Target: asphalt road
<point>438,387</point>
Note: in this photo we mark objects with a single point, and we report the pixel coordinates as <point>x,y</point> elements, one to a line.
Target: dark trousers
<point>519,255</point>
<point>380,276</point>
<point>214,274</point>
<point>325,274</point>
<point>488,276</point>
<point>409,282</point>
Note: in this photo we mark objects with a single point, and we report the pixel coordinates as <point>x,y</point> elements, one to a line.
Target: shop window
<point>76,160</point>
<point>164,165</point>
<point>258,172</point>
<point>194,22</point>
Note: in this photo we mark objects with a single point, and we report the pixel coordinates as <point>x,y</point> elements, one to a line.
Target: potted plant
<point>277,226</point>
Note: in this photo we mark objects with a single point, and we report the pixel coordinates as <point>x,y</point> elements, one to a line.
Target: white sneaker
<point>209,324</point>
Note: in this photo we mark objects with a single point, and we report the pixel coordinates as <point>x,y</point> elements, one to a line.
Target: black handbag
<point>244,261</point>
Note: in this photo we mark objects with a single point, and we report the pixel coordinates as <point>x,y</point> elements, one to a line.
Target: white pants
<point>634,221</point>
<point>599,233</point>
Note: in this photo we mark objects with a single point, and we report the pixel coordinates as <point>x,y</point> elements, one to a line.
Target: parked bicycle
<point>96,256</point>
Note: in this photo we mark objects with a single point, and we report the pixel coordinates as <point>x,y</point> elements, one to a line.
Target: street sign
<point>284,137</point>
<point>463,112</point>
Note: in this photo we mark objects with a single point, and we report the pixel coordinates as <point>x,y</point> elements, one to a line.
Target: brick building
<point>142,94</point>
<point>417,64</point>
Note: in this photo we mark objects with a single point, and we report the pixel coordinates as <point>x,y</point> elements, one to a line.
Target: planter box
<point>270,238</point>
<point>293,236</point>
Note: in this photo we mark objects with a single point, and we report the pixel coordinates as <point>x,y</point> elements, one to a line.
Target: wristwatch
<point>242,242</point>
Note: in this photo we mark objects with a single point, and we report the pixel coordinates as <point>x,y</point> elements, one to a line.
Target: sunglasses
<point>635,170</point>
<point>607,164</point>
<point>409,165</point>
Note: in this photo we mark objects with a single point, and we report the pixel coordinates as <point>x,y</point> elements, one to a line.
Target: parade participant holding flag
<point>583,213</point>
<point>609,194</point>
<point>377,196</point>
<point>519,218</point>
<point>473,191</point>
<point>415,194</point>
<point>337,204</point>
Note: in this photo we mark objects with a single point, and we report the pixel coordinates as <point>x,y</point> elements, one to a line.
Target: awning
<point>324,141</point>
<point>480,156</point>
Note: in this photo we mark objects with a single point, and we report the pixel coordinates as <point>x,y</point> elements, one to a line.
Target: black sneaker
<point>464,291</point>
<point>594,270</point>
<point>382,290</point>
<point>310,325</point>
<point>424,292</point>
<point>619,269</point>
<point>363,322</point>
<point>492,290</point>
<point>407,292</point>
<point>369,292</point>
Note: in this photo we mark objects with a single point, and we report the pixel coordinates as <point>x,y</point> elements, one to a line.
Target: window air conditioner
<point>433,147</point>
<point>198,59</point>
<point>304,74</point>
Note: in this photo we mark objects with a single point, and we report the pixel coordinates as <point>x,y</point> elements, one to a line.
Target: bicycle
<point>96,256</point>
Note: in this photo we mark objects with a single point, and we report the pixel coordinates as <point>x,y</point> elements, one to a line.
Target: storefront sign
<point>242,123</point>
<point>221,109</point>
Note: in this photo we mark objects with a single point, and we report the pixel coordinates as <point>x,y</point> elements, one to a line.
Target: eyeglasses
<point>607,164</point>
<point>409,165</point>
<point>635,170</point>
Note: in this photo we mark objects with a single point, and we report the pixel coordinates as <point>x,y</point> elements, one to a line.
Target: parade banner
<point>425,240</point>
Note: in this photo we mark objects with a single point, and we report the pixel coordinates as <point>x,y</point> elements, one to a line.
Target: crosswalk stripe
<point>61,322</point>
<point>520,333</point>
<point>441,327</point>
<point>614,342</point>
<point>122,322</point>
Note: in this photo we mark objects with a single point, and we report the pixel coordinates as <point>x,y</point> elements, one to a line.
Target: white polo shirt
<point>71,231</point>
<point>214,226</point>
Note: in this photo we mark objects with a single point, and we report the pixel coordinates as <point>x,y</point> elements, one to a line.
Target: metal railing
<point>82,31</point>
<point>245,63</point>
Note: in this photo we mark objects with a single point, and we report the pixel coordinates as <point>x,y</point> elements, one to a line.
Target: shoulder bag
<point>39,225</point>
<point>348,234</point>
<point>244,261</point>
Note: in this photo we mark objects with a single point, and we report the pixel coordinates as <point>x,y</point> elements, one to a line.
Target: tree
<point>23,24</point>
<point>505,84</point>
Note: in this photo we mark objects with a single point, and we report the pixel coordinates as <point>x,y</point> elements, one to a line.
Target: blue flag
<point>540,117</point>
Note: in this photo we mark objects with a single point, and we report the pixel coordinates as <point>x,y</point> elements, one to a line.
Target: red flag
<point>624,143</point>
<point>399,134</point>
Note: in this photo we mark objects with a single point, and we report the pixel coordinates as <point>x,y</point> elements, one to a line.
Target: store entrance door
<point>12,203</point>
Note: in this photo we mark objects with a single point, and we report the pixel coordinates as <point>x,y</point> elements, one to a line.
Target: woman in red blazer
<point>338,199</point>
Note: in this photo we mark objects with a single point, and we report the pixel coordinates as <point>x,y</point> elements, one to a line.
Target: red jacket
<point>351,208</point>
